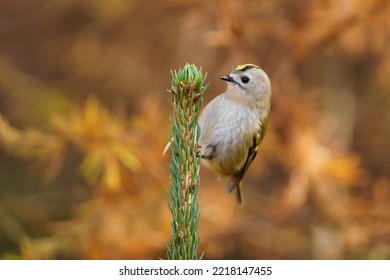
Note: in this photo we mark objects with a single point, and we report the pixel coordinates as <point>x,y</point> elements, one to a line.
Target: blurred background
<point>84,118</point>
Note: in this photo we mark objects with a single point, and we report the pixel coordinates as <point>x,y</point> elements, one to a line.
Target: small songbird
<point>233,124</point>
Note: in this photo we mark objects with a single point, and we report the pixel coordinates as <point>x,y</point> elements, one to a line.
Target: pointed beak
<point>228,78</point>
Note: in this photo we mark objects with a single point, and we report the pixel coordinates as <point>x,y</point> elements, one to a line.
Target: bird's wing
<point>256,140</point>
<point>235,181</point>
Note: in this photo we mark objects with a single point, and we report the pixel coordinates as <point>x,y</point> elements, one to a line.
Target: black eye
<point>245,79</point>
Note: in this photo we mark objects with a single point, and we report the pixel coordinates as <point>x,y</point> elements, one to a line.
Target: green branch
<point>187,92</point>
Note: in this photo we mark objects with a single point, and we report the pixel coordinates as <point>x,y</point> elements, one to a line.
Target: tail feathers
<point>235,184</point>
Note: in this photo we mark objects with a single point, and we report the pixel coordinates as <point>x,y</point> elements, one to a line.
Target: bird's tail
<point>235,184</point>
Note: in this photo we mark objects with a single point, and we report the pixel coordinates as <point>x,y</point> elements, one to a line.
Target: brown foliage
<point>319,188</point>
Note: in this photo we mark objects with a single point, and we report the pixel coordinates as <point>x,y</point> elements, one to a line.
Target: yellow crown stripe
<point>244,67</point>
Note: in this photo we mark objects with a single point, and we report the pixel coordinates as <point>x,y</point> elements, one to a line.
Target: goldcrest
<point>233,124</point>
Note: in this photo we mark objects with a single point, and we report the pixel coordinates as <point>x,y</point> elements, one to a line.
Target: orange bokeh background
<point>85,116</point>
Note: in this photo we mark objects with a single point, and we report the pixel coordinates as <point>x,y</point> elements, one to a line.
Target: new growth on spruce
<point>187,92</point>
